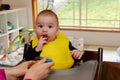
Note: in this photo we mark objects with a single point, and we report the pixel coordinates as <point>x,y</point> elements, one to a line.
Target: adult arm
<point>2,74</point>
<point>14,73</point>
<point>39,71</point>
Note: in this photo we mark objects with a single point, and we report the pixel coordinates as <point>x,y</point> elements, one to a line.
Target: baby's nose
<point>45,29</point>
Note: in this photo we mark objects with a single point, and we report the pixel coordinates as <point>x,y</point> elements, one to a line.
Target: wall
<point>96,38</point>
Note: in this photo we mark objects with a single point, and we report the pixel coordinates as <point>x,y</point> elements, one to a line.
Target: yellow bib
<point>58,51</point>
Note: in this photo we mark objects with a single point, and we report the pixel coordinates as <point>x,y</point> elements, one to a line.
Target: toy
<point>47,60</point>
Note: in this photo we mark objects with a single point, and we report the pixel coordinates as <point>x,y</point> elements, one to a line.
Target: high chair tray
<point>85,71</point>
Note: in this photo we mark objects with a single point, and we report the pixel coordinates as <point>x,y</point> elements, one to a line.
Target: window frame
<point>35,11</point>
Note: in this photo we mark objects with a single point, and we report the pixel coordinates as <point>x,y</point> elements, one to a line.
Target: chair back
<point>90,55</point>
<point>93,55</point>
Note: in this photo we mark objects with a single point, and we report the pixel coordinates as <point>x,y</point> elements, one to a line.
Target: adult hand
<point>18,71</point>
<point>39,71</point>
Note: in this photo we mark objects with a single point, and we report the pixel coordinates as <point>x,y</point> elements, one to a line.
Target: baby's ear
<point>57,32</point>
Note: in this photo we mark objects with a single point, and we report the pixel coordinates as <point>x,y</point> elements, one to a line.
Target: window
<point>85,13</point>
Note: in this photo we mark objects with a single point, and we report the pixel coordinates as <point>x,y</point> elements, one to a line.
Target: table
<point>109,71</point>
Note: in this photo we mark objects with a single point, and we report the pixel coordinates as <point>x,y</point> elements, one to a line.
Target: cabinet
<point>11,23</point>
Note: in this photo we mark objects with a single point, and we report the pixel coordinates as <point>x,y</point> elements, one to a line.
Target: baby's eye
<point>50,26</point>
<point>40,26</point>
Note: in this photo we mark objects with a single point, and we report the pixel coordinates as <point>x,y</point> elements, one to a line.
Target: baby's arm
<point>30,53</point>
<point>41,43</point>
<point>75,52</point>
<point>34,53</point>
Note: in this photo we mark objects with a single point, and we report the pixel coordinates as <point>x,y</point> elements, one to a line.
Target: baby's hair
<point>49,12</point>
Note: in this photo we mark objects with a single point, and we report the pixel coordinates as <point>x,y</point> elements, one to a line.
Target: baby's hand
<point>41,42</point>
<point>77,54</point>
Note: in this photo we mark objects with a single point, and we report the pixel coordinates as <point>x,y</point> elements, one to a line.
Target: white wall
<point>91,38</point>
<point>96,38</point>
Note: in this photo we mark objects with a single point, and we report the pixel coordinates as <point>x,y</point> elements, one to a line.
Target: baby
<point>51,43</point>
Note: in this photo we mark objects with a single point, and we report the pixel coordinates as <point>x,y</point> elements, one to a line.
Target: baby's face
<point>47,27</point>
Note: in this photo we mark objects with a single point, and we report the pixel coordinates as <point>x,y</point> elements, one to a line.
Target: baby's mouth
<point>45,36</point>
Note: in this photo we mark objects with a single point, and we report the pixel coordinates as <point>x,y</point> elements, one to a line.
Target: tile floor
<point>109,53</point>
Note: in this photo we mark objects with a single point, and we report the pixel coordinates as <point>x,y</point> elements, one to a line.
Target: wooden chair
<point>91,55</point>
